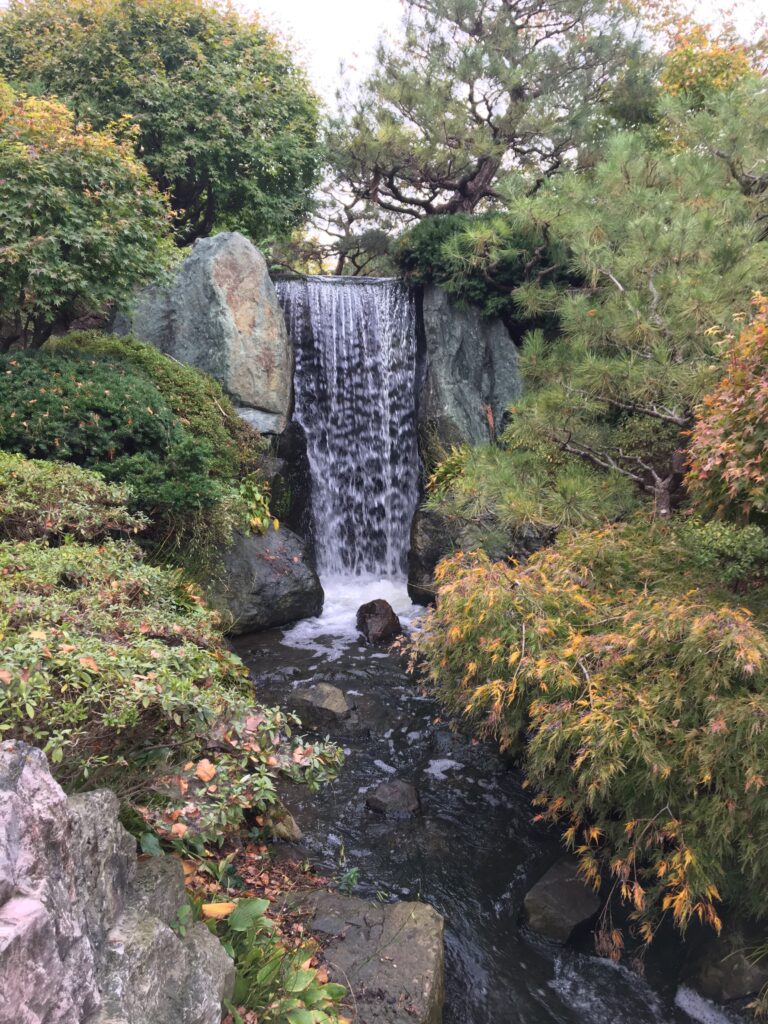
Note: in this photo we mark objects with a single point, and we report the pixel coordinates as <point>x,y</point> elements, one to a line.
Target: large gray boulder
<point>560,901</point>
<point>267,581</point>
<point>84,935</point>
<point>220,313</point>
<point>471,373</point>
<point>389,955</point>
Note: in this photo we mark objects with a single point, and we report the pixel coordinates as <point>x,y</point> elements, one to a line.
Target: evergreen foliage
<point>669,251</point>
<point>82,223</point>
<point>215,106</point>
<point>473,88</point>
<point>482,260</point>
<point>195,398</point>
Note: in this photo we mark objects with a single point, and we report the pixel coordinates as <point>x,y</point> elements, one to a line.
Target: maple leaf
<point>88,662</point>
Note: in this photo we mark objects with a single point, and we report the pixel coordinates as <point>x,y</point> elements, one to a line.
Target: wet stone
<point>389,955</point>
<point>320,705</point>
<point>394,798</point>
<point>559,902</point>
<point>377,621</point>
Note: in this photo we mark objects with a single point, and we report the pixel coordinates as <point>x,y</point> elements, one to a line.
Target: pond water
<point>472,852</point>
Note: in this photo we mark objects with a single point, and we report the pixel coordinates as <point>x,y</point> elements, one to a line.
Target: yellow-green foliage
<point>83,224</point>
<point>55,500</point>
<point>117,670</point>
<point>640,681</point>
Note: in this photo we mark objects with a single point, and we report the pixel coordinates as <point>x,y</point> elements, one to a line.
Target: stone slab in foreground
<point>389,955</point>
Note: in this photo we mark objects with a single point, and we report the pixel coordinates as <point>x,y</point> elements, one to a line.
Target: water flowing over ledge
<point>356,384</point>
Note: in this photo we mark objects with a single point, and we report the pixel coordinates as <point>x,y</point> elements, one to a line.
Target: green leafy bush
<point>272,980</point>
<point>633,681</point>
<point>83,224</point>
<point>212,103</point>
<point>113,419</point>
<point>105,656</point>
<point>195,398</point>
<point>55,501</point>
<point>117,670</point>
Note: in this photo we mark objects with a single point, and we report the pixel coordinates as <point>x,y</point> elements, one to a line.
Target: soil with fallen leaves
<point>259,871</point>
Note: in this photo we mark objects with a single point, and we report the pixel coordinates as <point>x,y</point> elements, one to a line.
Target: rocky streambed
<point>420,813</point>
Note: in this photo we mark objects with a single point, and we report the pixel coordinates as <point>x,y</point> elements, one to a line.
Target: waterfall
<point>355,383</point>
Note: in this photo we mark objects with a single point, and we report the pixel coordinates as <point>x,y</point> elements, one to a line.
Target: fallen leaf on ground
<point>205,771</point>
<point>216,911</point>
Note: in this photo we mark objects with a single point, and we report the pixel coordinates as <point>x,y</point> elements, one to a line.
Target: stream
<point>472,852</point>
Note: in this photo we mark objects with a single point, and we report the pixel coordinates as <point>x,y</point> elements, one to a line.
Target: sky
<point>328,32</point>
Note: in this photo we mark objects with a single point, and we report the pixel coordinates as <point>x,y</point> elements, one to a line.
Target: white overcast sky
<point>328,32</point>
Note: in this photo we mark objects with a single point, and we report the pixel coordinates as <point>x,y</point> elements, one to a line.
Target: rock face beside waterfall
<point>220,314</point>
<point>84,931</point>
<point>434,537</point>
<point>471,373</point>
<point>268,581</point>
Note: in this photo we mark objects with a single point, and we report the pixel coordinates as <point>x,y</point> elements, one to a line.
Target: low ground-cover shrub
<point>633,681</point>
<point>116,669</point>
<point>58,500</point>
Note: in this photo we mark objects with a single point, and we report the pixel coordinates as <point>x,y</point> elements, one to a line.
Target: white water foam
<point>700,1009</point>
<point>333,631</point>
<point>438,768</point>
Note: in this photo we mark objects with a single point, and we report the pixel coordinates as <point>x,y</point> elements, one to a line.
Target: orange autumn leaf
<point>217,911</point>
<point>205,771</point>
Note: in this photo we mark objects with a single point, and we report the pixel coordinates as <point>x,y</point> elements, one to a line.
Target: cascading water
<point>355,382</point>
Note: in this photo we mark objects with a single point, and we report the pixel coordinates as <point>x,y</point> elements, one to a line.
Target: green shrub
<point>83,224</point>
<point>481,260</point>
<point>194,397</point>
<point>634,683</point>
<point>113,419</point>
<point>52,500</point>
<point>273,980</point>
<point>117,670</point>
